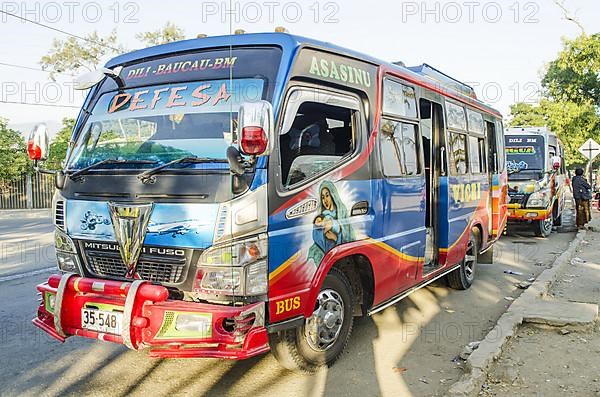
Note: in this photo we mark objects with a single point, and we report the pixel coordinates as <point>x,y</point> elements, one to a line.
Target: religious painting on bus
<point>330,226</point>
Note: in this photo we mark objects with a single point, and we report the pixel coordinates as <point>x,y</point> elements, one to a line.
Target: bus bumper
<point>518,214</point>
<point>145,317</point>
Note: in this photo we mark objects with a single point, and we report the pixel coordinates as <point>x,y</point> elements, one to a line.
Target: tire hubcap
<point>547,224</point>
<point>323,327</point>
<point>470,260</point>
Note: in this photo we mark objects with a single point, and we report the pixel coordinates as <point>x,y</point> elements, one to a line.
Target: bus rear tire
<point>462,278</point>
<point>557,217</point>
<point>324,335</point>
<point>543,228</point>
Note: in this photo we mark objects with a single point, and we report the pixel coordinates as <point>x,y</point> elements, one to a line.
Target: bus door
<point>458,198</point>
<point>432,127</point>
<point>492,160</point>
<point>402,200</point>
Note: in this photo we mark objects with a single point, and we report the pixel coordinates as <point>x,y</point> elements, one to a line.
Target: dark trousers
<point>584,213</point>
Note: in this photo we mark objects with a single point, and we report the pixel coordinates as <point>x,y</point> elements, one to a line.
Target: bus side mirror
<point>256,125</point>
<point>37,144</point>
<point>90,79</point>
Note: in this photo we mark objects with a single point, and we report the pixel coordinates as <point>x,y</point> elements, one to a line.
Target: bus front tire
<point>543,228</point>
<point>462,278</point>
<point>557,216</point>
<point>324,335</point>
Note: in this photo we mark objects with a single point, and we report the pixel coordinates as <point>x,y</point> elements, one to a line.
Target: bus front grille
<point>112,266</point>
<point>518,198</point>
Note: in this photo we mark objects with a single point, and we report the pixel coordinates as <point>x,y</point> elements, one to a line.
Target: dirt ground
<point>551,361</point>
<point>548,361</point>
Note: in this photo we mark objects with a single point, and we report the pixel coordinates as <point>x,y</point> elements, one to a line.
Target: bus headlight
<point>539,199</point>
<point>219,280</point>
<point>67,262</point>
<point>236,269</point>
<point>66,254</point>
<point>193,322</point>
<point>257,279</point>
<point>62,242</point>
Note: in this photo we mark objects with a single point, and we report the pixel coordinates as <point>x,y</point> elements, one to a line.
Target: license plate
<point>102,321</point>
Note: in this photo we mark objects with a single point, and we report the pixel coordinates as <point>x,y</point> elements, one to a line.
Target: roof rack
<point>442,78</point>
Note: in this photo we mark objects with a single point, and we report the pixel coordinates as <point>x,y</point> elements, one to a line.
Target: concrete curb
<point>28,214</point>
<point>519,311</point>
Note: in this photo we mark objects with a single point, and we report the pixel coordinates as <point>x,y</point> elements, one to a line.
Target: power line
<point>59,30</point>
<point>55,105</point>
<point>14,65</point>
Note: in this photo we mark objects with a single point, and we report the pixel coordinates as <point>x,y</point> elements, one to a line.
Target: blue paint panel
<point>456,216</point>
<point>401,213</point>
<point>260,178</point>
<point>172,225</point>
<point>396,217</point>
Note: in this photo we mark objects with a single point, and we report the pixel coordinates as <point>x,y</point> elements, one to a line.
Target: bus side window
<point>458,153</point>
<point>398,144</point>
<point>477,154</point>
<point>320,136</point>
<point>500,146</point>
<point>493,154</point>
<point>457,140</point>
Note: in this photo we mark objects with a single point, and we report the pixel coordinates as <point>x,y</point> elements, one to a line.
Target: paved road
<point>26,244</point>
<point>405,350</point>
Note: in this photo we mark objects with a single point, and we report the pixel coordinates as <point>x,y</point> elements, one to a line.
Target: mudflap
<point>487,256</point>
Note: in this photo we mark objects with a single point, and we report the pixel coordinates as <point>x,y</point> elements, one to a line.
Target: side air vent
<point>59,215</point>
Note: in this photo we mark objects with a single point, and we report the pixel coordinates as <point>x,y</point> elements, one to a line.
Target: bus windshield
<point>163,123</point>
<point>525,154</point>
<point>172,108</point>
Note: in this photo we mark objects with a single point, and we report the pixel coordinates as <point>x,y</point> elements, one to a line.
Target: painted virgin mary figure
<point>330,227</point>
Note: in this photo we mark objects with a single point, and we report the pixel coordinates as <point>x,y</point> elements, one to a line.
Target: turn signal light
<point>254,141</point>
<point>34,151</point>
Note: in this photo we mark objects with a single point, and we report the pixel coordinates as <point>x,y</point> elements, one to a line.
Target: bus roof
<point>528,130</point>
<point>423,75</point>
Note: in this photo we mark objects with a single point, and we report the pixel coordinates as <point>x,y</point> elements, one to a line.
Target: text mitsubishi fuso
<point>227,196</point>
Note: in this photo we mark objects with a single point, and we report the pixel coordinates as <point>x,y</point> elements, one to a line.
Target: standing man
<point>582,193</point>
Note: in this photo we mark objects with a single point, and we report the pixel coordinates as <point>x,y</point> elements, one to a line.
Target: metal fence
<point>30,191</point>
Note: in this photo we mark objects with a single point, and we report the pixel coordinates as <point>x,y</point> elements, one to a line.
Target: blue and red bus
<point>227,196</point>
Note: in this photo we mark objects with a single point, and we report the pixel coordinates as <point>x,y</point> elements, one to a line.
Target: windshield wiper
<point>147,175</point>
<point>77,174</point>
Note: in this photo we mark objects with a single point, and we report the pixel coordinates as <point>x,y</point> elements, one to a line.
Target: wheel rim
<point>547,224</point>
<point>470,260</point>
<point>323,327</point>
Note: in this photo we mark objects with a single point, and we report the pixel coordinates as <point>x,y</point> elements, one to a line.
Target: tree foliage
<point>575,74</point>
<point>74,55</point>
<point>13,155</point>
<point>571,102</point>
<point>169,33</point>
<point>60,144</point>
<point>526,115</point>
<point>574,123</point>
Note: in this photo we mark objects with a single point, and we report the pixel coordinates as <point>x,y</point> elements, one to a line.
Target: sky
<point>500,47</point>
